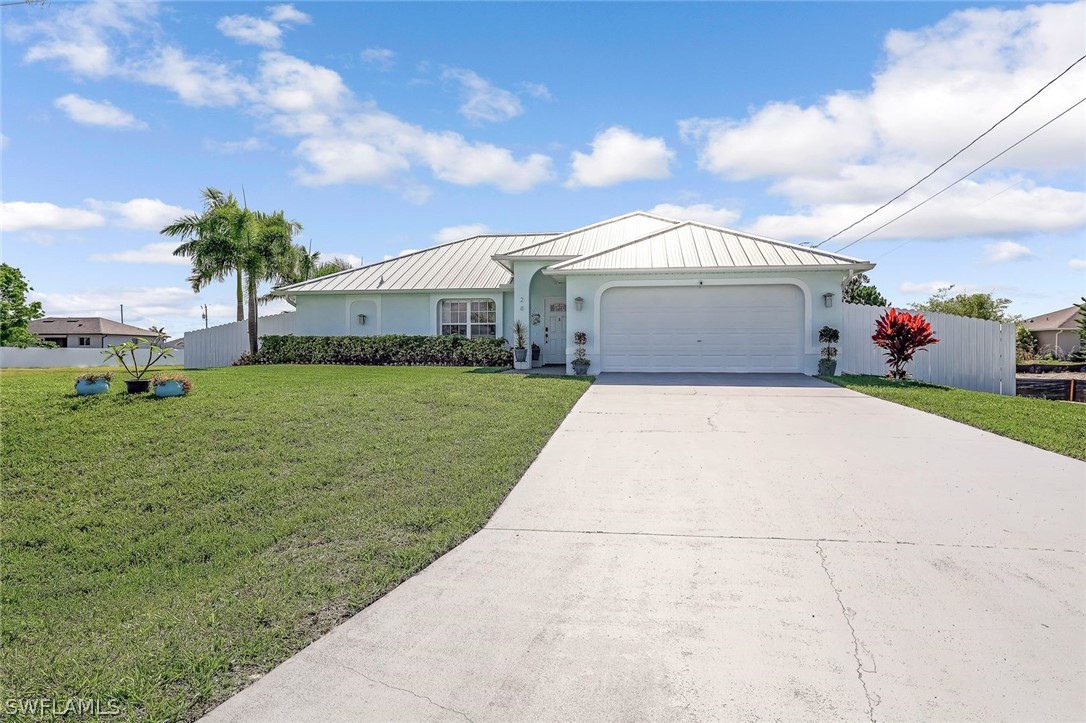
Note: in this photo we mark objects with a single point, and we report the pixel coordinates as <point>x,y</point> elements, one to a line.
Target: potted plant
<point>580,363</point>
<point>171,385</point>
<point>93,383</point>
<point>535,355</point>
<point>520,342</point>
<point>827,365</point>
<point>125,354</point>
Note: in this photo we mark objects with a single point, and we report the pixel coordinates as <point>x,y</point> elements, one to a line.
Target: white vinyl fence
<point>221,346</point>
<point>41,358</point>
<point>971,353</point>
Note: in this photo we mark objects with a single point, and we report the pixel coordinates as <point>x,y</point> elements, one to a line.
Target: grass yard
<point>164,552</point>
<point>1055,426</point>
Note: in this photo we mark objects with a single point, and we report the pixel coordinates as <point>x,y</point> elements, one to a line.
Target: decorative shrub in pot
<point>580,363</point>
<point>520,341</point>
<point>827,365</point>
<point>535,355</point>
<point>125,354</point>
<point>171,385</point>
<point>93,383</point>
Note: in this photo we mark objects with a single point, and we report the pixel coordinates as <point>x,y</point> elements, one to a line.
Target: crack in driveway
<point>873,700</point>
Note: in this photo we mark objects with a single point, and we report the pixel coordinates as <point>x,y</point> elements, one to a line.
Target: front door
<point>554,332</point>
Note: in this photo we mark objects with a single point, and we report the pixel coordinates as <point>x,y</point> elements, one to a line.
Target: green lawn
<point>162,552</point>
<point>1055,426</point>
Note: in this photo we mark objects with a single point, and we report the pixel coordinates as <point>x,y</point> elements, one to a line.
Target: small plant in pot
<point>520,341</point>
<point>137,364</point>
<point>580,363</point>
<point>171,385</point>
<point>535,355</point>
<point>827,365</point>
<point>93,383</point>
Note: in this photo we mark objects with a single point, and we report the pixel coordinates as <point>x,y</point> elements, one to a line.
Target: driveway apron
<point>700,547</point>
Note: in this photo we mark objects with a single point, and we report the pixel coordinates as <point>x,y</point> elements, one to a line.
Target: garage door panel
<point>712,328</point>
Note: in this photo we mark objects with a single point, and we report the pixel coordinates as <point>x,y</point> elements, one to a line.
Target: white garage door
<point>702,328</point>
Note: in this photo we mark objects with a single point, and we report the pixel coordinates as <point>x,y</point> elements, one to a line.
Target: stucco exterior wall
<point>1062,343</point>
<point>414,313</point>
<point>813,284</point>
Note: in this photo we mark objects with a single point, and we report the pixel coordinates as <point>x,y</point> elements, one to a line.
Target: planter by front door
<point>554,333</point>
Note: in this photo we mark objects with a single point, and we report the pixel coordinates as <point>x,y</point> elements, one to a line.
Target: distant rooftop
<point>63,325</point>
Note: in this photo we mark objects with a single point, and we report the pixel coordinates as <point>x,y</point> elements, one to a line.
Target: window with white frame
<point>469,317</point>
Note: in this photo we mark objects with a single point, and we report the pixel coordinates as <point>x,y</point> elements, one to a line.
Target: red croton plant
<point>902,334</point>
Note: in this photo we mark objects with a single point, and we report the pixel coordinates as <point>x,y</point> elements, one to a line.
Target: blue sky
<point>387,127</point>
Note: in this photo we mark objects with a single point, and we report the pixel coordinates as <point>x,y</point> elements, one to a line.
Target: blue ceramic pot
<point>84,388</point>
<point>170,389</point>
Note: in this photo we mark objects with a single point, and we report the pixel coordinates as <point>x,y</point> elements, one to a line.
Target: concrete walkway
<point>718,547</point>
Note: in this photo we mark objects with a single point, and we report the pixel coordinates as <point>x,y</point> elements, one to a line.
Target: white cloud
<point>352,259</point>
<point>483,102</point>
<point>249,30</point>
<point>1002,251</point>
<point>96,113</point>
<point>539,91</point>
<point>196,81</point>
<point>23,215</point>
<point>243,146</point>
<point>149,214</point>
<point>288,14</point>
<point>80,36</point>
<point>267,33</point>
<point>140,213</point>
<point>620,155</point>
<point>966,212</point>
<point>382,58</point>
<point>924,288</point>
<point>153,253</point>
<point>455,233</point>
<point>704,212</point>
<point>1077,264</point>
<point>935,89</point>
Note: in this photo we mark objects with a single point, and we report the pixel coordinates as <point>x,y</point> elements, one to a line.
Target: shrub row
<point>389,350</point>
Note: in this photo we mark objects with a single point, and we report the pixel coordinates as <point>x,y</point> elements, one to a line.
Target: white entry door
<point>702,328</point>
<point>554,331</point>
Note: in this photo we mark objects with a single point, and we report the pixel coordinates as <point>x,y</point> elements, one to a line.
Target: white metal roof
<point>597,237</point>
<point>465,264</point>
<point>691,245</point>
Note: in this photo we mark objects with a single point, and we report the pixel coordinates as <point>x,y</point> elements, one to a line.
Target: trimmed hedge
<point>388,350</point>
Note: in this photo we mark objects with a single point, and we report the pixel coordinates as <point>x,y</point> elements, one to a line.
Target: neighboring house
<point>1056,331</point>
<point>178,343</point>
<point>88,332</point>
<point>653,294</point>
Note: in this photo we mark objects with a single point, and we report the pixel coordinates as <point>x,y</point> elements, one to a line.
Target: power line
<point>955,183</point>
<point>963,150</point>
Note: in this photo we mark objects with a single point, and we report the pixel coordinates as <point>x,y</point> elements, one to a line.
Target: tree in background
<point>1025,343</point>
<point>210,239</point>
<point>15,313</point>
<point>901,334</point>
<point>1080,354</point>
<point>859,290</point>
<point>305,264</point>
<point>976,306</point>
<point>158,331</point>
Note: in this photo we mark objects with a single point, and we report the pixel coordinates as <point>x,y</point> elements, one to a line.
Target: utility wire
<point>955,183</point>
<point>963,150</point>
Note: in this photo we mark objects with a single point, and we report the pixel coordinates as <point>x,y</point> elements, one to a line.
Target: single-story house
<point>652,293</point>
<point>1056,331</point>
<point>87,332</point>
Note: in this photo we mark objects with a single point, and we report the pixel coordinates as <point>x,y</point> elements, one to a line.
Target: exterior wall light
<point>827,299</point>
<point>362,319</point>
<point>579,302</point>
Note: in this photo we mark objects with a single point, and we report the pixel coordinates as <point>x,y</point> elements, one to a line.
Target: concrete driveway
<point>719,547</point>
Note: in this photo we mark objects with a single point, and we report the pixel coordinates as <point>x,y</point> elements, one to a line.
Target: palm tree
<point>212,240</point>
<point>267,255</point>
<point>158,331</point>
<point>305,264</point>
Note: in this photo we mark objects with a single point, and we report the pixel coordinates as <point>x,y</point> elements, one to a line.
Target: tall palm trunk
<point>241,299</point>
<point>253,330</point>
